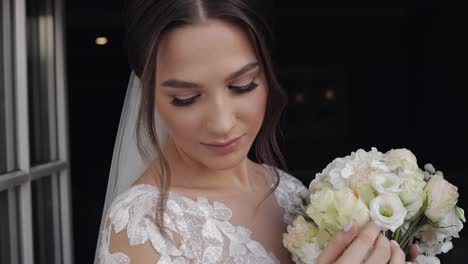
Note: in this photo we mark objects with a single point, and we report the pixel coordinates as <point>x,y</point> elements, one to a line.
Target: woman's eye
<point>183,102</point>
<point>237,89</point>
<point>244,89</point>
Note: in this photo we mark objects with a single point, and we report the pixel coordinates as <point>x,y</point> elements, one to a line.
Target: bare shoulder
<point>146,178</point>
<point>149,176</point>
<point>263,173</point>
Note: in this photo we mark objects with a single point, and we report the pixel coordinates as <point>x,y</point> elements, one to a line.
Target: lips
<point>223,148</point>
<point>222,144</point>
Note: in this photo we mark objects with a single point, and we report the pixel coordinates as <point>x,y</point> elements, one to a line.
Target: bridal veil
<point>127,163</point>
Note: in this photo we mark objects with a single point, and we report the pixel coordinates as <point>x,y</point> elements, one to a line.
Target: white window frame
<point>18,183</point>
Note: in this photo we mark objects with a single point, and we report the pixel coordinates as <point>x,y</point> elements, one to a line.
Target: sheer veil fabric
<point>127,163</point>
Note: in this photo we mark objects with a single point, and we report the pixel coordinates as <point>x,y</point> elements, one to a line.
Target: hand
<point>346,246</point>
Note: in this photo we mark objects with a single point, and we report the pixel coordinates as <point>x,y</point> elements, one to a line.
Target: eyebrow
<point>174,83</point>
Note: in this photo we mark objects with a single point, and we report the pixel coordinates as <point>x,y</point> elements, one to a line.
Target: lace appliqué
<point>288,195</point>
<point>204,230</point>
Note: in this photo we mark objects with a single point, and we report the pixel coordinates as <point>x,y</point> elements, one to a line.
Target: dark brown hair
<point>147,20</point>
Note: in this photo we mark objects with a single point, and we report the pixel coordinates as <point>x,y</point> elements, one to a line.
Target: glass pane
<point>3,148</point>
<point>4,229</point>
<point>1,51</point>
<point>7,128</point>
<point>9,228</point>
<point>46,225</point>
<point>41,80</point>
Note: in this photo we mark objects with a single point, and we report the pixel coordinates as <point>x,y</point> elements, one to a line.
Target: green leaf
<point>460,213</point>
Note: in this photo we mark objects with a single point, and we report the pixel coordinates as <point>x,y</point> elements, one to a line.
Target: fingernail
<point>394,243</point>
<point>417,247</point>
<point>348,226</point>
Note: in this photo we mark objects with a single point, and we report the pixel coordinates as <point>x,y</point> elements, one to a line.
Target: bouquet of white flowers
<point>412,205</point>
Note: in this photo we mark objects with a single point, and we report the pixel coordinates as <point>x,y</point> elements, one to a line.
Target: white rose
<point>414,207</point>
<point>442,197</point>
<point>412,194</point>
<point>388,209</point>
<point>418,174</point>
<point>402,158</point>
<point>386,182</point>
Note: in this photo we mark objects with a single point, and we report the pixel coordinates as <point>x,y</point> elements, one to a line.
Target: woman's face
<point>210,91</point>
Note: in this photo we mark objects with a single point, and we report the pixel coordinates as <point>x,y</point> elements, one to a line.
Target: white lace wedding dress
<point>202,228</point>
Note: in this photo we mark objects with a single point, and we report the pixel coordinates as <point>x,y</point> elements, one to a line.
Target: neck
<point>190,174</point>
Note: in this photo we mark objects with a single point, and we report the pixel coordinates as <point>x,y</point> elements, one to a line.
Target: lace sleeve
<point>292,195</point>
<point>131,235</point>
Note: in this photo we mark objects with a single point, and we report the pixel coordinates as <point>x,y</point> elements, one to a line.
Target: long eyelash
<point>244,89</point>
<point>237,89</point>
<point>183,102</point>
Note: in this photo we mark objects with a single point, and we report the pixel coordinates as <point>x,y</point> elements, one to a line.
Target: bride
<point>202,103</point>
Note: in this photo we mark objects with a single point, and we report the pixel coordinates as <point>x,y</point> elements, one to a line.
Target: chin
<point>222,162</point>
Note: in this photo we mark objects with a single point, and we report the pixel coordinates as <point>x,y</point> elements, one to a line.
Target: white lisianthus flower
<point>437,239</point>
<point>443,197</point>
<point>433,241</point>
<point>388,209</point>
<point>451,224</point>
<point>402,158</point>
<point>386,183</point>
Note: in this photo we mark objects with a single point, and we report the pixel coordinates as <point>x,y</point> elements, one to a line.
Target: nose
<point>220,118</point>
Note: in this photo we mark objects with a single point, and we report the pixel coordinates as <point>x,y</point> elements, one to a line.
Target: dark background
<point>357,77</point>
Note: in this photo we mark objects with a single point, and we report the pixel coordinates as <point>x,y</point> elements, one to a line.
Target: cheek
<point>179,123</point>
<point>253,107</point>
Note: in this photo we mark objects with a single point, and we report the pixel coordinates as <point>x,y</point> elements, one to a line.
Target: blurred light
<point>300,98</point>
<point>102,41</point>
<point>329,94</point>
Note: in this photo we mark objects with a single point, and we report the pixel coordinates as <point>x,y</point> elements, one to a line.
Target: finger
<point>338,243</point>
<point>413,252</point>
<point>398,256</point>
<point>381,251</point>
<point>361,245</point>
